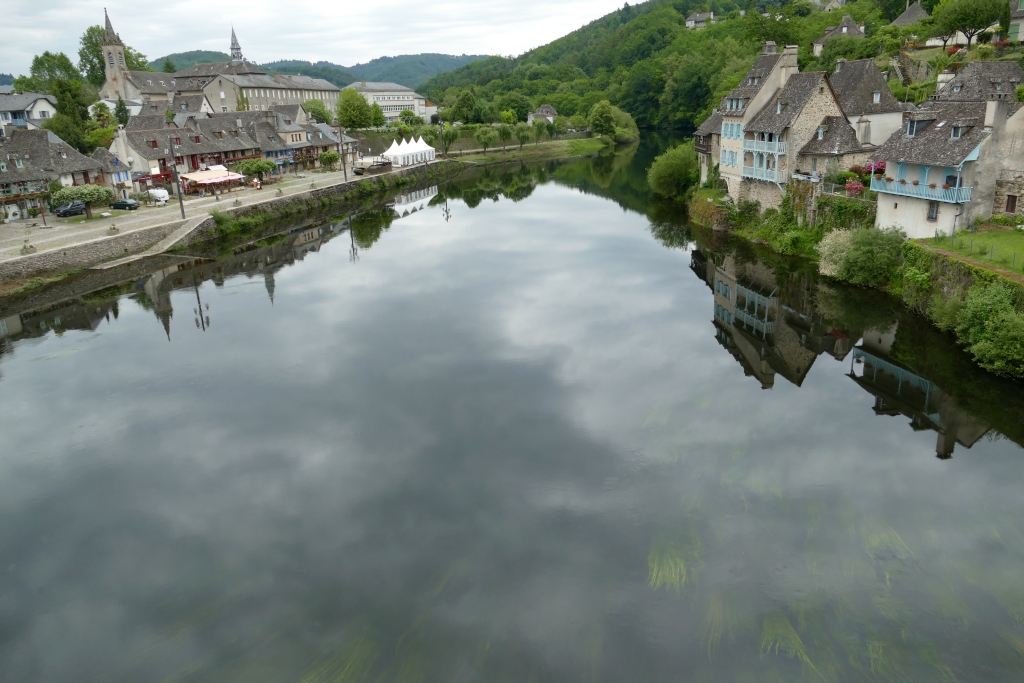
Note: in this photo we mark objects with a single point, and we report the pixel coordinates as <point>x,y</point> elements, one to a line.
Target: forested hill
<point>183,60</point>
<point>332,73</point>
<point>643,59</point>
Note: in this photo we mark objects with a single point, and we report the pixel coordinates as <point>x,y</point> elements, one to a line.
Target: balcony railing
<point>954,195</point>
<point>769,174</point>
<point>776,147</point>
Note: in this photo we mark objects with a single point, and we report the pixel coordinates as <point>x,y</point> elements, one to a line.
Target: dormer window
<point>18,164</point>
<point>915,127</point>
<point>955,132</point>
<point>844,29</point>
<point>778,107</point>
<point>177,141</point>
<point>152,143</point>
<point>196,138</point>
<point>63,155</point>
<point>183,107</point>
<point>956,88</point>
<point>876,97</point>
<point>999,86</point>
<point>821,133</point>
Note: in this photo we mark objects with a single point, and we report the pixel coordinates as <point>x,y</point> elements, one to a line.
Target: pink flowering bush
<point>854,188</point>
<point>876,167</point>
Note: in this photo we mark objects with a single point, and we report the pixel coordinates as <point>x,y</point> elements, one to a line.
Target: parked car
<point>125,204</point>
<point>158,195</point>
<point>75,208</point>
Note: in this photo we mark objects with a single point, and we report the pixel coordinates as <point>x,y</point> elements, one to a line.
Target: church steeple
<point>109,36</point>
<point>236,49</point>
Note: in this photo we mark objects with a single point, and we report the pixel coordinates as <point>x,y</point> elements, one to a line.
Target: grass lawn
<point>551,149</point>
<point>999,248</point>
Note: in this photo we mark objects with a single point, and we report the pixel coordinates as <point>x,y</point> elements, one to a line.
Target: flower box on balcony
<point>945,186</point>
<point>903,181</point>
<point>917,182</point>
<point>888,179</point>
<point>932,185</point>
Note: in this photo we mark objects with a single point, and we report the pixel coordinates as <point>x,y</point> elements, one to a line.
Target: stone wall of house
<point>1010,183</point>
<point>821,104</point>
<point>769,195</point>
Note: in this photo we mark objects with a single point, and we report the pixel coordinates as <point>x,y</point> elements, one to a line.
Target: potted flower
<point>932,186</point>
<point>888,179</point>
<point>945,186</point>
<point>916,182</point>
<point>903,181</point>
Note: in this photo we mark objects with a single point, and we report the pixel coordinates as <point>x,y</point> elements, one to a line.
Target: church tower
<point>113,63</point>
<point>236,49</point>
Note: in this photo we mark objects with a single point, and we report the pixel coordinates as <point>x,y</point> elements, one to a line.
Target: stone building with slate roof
<point>867,101</point>
<point>833,141</point>
<point>707,142</point>
<point>847,28</point>
<point>31,159</point>
<point>700,20</point>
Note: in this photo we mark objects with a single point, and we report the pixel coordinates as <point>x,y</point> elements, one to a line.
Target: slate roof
<point>791,100</point>
<point>233,139</point>
<point>219,69</point>
<point>700,16</point>
<point>853,30</point>
<point>855,84</point>
<point>911,15</point>
<point>45,152</point>
<point>378,86</point>
<point>6,89</point>
<point>763,66</point>
<point>979,80</point>
<point>545,110</point>
<point>158,83</point>
<point>106,160</point>
<point>933,146</point>
<point>281,81</point>
<point>22,101</point>
<point>711,125</point>
<point>838,137</point>
<point>148,122</point>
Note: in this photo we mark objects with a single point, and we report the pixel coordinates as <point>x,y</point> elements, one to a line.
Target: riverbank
<point>37,268</point>
<point>539,151</point>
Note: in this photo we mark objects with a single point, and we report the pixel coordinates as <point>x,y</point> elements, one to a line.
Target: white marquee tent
<point>409,152</point>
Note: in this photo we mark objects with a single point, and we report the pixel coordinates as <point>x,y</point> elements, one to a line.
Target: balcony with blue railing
<point>776,147</point>
<point>954,195</point>
<point>769,174</point>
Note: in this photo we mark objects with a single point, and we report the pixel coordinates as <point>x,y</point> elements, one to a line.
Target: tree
<point>969,17</point>
<point>353,110</point>
<point>102,114</point>
<point>601,120</point>
<point>540,128</point>
<point>515,103</point>
<point>508,117</point>
<point>377,118</point>
<point>87,194</point>
<point>318,111</point>
<point>463,109</point>
<point>329,159</point>
<point>447,138</point>
<point>674,172</point>
<point>67,129</point>
<point>98,137</point>
<point>504,132</point>
<point>121,112</point>
<point>169,67</point>
<point>241,101</point>
<point>523,134</point>
<point>409,118</point>
<point>486,137</point>
<point>45,69</point>
<point>255,167</point>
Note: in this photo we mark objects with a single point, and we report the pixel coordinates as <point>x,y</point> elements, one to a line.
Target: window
<point>821,133</point>
<point>953,181</point>
<point>152,143</point>
<point>999,86</point>
<point>814,164</point>
<point>3,165</point>
<point>844,29</point>
<point>954,133</point>
<point>196,138</point>
<point>933,211</point>
<point>915,127</point>
<point>223,109</point>
<point>184,107</point>
<point>219,134</point>
<point>110,58</point>
<point>876,97</point>
<point>956,88</point>
<point>778,107</point>
<point>177,141</point>
<point>1011,201</point>
<point>222,94</point>
<point>723,289</point>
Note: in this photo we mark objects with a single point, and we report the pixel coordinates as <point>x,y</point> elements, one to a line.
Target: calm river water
<point>528,427</point>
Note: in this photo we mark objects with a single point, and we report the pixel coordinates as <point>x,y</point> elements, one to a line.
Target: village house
<point>866,100</point>
<point>118,176</point>
<point>847,28</point>
<point>394,99</point>
<point>706,140</point>
<point>545,112</point>
<point>30,160</point>
<point>957,158</point>
<point>26,110</point>
<point>700,20</point>
<point>834,143</point>
<point>914,14</point>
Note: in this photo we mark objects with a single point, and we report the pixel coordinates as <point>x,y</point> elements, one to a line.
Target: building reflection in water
<point>773,328</point>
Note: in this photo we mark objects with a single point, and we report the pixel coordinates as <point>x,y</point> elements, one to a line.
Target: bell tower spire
<point>109,36</point>
<point>236,49</point>
<point>113,62</point>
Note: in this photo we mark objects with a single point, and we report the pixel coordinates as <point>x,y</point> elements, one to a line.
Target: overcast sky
<point>343,33</point>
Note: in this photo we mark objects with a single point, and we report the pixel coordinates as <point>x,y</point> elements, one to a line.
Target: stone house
<point>707,143</point>
<point>866,100</point>
<point>768,75</point>
<point>30,160</point>
<point>847,28</point>
<point>775,137</point>
<point>700,20</point>
<point>833,142</point>
<point>545,112</point>
<point>117,175</point>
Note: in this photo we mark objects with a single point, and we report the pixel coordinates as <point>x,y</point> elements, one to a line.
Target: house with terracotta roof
<point>847,28</point>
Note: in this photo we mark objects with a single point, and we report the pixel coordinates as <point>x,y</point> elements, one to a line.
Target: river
<point>528,426</point>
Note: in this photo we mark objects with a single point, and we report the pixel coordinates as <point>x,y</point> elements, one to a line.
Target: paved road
<point>62,233</point>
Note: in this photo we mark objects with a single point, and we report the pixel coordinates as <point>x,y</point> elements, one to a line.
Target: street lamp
<point>174,172</point>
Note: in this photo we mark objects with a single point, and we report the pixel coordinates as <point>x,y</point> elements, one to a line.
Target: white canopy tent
<point>408,153</point>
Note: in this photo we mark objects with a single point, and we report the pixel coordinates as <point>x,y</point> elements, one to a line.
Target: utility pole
<point>177,181</point>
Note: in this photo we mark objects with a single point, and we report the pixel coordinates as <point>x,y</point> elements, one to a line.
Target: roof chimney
<point>839,64</point>
<point>769,47</point>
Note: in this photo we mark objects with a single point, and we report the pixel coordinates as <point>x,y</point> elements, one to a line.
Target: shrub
<point>675,171</point>
<point>873,257</point>
<point>832,250</point>
<point>992,329</point>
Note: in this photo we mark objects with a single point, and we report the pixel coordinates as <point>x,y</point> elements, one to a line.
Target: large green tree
<point>674,172</point>
<point>121,112</point>
<point>377,116</point>
<point>87,194</point>
<point>169,67</point>
<point>969,17</point>
<point>601,120</point>
<point>318,111</point>
<point>463,109</point>
<point>353,110</point>
<point>90,57</point>
<point>45,70</point>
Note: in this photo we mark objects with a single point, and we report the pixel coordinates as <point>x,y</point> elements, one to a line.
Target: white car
<point>159,196</point>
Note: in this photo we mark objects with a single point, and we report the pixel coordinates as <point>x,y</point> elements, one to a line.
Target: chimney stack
<point>769,47</point>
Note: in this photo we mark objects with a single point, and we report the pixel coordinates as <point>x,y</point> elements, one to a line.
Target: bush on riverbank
<point>675,172</point>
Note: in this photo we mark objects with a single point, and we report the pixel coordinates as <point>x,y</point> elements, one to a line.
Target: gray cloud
<point>344,33</point>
